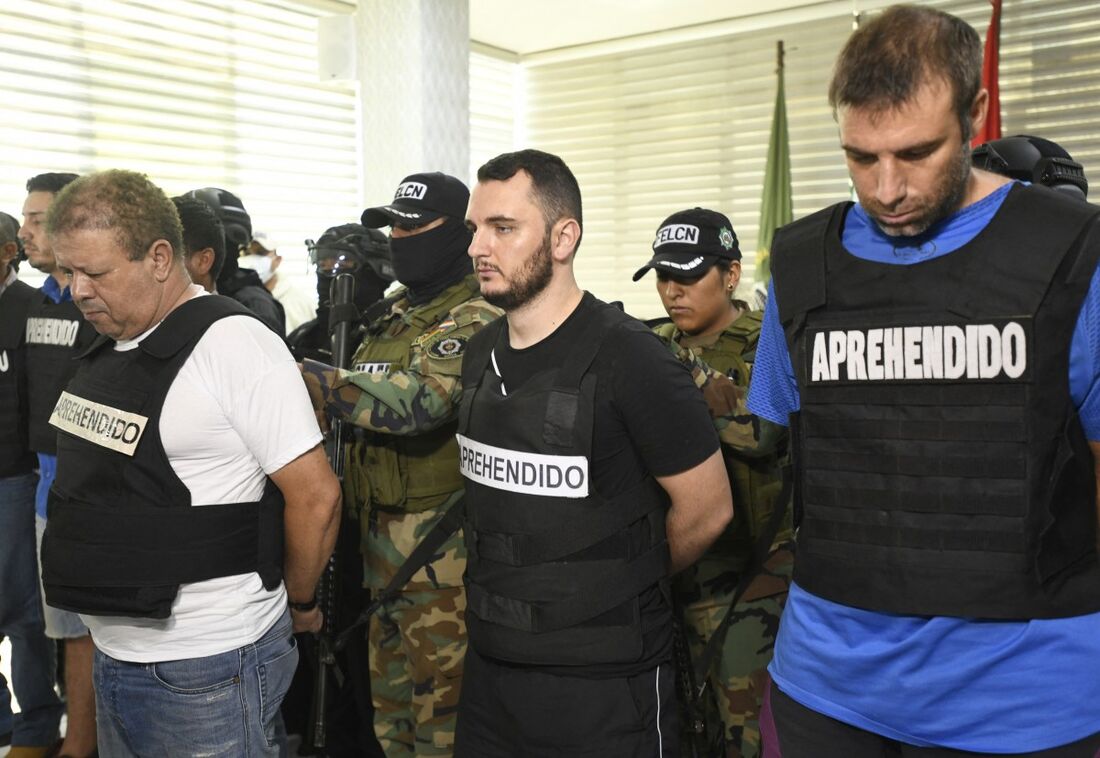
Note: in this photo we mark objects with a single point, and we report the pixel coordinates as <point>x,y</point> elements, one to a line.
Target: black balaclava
<point>430,262</point>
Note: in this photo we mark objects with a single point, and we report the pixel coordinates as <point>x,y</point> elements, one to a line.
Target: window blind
<point>654,130</point>
<point>192,93</point>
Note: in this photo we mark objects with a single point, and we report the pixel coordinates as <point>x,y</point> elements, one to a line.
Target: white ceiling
<point>530,26</point>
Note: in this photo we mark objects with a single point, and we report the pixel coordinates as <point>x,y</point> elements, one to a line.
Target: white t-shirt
<point>237,410</point>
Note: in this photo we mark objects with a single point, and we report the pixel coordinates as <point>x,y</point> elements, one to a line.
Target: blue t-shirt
<point>47,464</point>
<point>978,685</point>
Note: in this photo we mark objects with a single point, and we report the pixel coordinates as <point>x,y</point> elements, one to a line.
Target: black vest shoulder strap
<point>798,262</point>
<point>191,318</point>
<point>475,362</point>
<point>564,398</point>
<point>15,302</point>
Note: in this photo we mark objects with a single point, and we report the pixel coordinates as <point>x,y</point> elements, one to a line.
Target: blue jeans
<point>224,705</point>
<point>33,657</point>
<point>60,624</point>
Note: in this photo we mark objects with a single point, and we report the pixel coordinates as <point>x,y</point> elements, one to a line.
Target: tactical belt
<point>447,525</point>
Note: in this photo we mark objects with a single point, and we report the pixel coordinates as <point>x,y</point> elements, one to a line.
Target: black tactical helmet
<point>354,246</point>
<point>230,211</point>
<point>1033,159</point>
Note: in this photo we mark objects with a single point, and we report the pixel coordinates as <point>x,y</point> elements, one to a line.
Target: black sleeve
<point>265,306</point>
<point>662,409</point>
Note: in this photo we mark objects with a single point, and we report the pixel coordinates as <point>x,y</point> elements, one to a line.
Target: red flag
<point>991,130</point>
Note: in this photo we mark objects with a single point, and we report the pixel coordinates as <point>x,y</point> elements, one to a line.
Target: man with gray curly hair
<point>167,520</point>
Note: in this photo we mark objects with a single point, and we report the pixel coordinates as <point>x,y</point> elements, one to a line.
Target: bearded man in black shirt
<point>593,472</point>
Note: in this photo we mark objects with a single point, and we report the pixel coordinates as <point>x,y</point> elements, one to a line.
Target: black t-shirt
<point>649,418</point>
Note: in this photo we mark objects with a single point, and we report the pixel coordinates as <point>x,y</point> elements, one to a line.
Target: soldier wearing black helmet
<point>347,248</point>
<point>243,285</point>
<point>1036,160</point>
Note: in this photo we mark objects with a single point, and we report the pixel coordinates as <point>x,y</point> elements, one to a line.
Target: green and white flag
<point>775,203</point>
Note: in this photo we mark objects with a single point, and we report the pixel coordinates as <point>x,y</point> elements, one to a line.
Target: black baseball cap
<point>690,242</point>
<point>421,199</point>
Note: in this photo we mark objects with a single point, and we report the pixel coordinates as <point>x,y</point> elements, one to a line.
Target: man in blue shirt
<point>56,332</point>
<point>934,348</point>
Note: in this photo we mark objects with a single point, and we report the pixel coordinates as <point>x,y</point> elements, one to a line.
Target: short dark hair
<point>886,61</point>
<point>9,229</point>
<point>123,202</point>
<point>201,229</point>
<point>52,183</point>
<point>553,185</point>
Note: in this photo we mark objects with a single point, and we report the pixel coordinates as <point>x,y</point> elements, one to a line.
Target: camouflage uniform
<point>738,676</point>
<point>401,474</point>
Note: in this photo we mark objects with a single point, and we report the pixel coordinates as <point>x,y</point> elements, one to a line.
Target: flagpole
<point>775,201</point>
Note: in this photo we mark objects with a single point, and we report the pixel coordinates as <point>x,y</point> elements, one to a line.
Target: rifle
<point>341,317</point>
<point>693,707</point>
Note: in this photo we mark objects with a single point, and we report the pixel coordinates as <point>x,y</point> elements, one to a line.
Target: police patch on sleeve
<point>448,347</point>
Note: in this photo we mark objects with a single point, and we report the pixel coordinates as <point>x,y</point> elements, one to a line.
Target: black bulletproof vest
<point>555,569</point>
<point>941,468</point>
<point>122,535</point>
<point>15,456</point>
<point>55,334</point>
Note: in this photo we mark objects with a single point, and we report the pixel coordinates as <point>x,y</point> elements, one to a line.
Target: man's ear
<point>9,251</point>
<point>564,237</point>
<point>163,258</point>
<point>203,260</point>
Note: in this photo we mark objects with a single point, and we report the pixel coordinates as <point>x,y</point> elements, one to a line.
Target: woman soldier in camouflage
<point>698,266</point>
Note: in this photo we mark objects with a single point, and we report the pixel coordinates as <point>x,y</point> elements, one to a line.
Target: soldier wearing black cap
<point>243,285</point>
<point>698,266</point>
<point>402,472</point>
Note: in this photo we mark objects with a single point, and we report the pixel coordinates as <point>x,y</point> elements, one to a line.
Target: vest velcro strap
<point>893,498</point>
<point>945,430</point>
<point>869,557</point>
<point>974,466</point>
<point>593,592</point>
<point>159,546</point>
<point>568,537</point>
<point>561,416</point>
<point>1009,540</point>
<point>946,395</point>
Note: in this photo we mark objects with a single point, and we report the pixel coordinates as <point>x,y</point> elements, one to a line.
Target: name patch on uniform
<point>683,234</point>
<point>948,352</point>
<point>529,473</point>
<point>411,189</point>
<point>100,424</point>
<point>373,368</point>
<point>52,331</point>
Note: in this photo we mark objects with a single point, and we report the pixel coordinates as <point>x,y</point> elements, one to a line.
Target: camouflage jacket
<point>423,393</point>
<point>718,361</point>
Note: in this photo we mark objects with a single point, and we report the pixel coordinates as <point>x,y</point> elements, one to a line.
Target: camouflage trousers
<point>739,674</point>
<point>417,646</point>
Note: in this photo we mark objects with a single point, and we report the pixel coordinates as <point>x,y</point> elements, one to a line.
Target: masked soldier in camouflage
<point>402,471</point>
<point>698,265</point>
